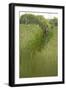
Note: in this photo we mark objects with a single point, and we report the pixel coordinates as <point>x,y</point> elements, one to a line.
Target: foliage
<point>53,22</point>
<point>38,46</point>
<point>33,19</point>
<point>32,36</point>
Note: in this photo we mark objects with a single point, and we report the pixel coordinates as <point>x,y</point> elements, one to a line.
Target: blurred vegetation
<point>38,46</point>
<point>32,19</point>
<point>53,22</point>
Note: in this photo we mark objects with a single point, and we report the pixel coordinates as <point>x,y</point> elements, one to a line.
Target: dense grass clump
<point>32,36</point>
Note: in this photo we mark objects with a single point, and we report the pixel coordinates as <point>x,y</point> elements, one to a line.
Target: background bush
<point>33,19</point>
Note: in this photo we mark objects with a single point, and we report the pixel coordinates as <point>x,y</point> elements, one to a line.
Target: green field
<point>38,51</point>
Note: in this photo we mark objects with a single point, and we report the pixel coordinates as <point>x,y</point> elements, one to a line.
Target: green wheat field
<point>38,49</point>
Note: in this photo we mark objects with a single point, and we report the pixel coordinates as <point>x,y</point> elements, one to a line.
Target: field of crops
<point>38,51</point>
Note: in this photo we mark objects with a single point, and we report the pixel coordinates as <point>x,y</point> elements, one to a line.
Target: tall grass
<point>38,55</point>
